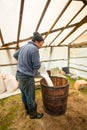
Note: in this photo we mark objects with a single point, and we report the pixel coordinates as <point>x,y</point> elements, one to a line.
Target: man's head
<point>37,39</point>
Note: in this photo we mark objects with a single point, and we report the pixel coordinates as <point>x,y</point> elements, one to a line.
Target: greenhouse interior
<point>63,26</point>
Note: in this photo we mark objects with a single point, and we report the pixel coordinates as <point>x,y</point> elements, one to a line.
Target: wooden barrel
<point>55,98</point>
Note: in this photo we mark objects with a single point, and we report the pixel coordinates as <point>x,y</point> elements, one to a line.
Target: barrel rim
<point>63,86</point>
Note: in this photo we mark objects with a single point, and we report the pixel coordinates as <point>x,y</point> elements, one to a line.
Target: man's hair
<point>37,37</point>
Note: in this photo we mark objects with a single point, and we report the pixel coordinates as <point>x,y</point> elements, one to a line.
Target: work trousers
<point>27,87</point>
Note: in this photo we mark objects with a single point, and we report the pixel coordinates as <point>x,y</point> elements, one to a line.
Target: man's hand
<point>37,74</point>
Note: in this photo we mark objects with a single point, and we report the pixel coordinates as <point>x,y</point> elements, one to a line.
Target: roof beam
<point>1,37</point>
<point>7,48</point>
<point>76,38</point>
<point>80,23</point>
<point>80,44</point>
<point>44,33</point>
<point>84,1</point>
<point>43,13</point>
<point>67,25</point>
<point>58,18</point>
<point>20,21</point>
<point>59,29</point>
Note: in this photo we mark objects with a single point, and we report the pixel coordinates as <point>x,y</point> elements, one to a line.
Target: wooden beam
<point>59,29</point>
<point>8,64</point>
<point>84,1</point>
<point>1,37</point>
<point>80,23</point>
<point>67,24</point>
<point>55,46</point>
<point>76,38</point>
<point>54,60</point>
<point>8,48</point>
<point>41,61</point>
<point>78,57</point>
<point>43,13</point>
<point>68,56</point>
<point>20,21</point>
<point>44,33</point>
<point>79,44</point>
<point>58,18</point>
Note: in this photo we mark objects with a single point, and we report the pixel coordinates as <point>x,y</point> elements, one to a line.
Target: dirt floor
<point>13,117</point>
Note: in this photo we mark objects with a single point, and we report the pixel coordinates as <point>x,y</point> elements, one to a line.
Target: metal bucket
<point>55,98</point>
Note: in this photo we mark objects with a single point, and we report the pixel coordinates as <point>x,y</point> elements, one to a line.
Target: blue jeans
<point>27,87</point>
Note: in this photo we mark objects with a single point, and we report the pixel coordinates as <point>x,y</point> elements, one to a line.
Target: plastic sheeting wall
<point>6,57</point>
<point>78,60</point>
<point>55,57</point>
<point>51,58</point>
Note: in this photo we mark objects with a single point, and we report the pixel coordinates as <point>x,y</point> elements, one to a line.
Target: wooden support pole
<point>20,21</point>
<point>68,56</point>
<point>1,37</point>
<point>58,18</point>
<point>43,13</point>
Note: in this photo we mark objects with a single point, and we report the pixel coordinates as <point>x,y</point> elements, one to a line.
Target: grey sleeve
<point>16,54</point>
<point>36,60</point>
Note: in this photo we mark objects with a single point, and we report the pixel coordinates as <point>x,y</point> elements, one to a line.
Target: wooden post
<point>68,56</point>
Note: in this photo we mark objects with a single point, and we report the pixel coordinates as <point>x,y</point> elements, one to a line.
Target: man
<point>28,64</point>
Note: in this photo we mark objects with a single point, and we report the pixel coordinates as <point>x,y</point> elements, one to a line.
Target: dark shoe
<point>36,116</point>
